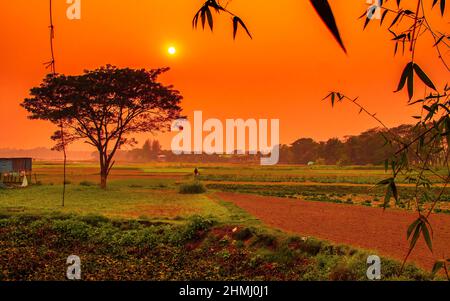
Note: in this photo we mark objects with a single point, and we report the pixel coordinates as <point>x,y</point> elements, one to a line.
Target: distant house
<point>16,165</point>
<point>15,170</point>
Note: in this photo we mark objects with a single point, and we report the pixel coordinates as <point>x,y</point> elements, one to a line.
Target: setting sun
<point>172,50</point>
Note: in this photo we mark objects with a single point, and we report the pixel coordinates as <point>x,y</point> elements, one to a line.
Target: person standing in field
<point>196,172</point>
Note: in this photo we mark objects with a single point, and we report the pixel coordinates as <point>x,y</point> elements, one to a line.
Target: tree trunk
<point>104,166</point>
<point>103,177</point>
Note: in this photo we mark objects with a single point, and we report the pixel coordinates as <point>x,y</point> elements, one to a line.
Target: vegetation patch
<point>142,218</point>
<point>36,248</point>
<point>195,187</point>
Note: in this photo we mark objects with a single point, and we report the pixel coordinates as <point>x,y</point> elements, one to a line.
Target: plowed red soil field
<point>359,226</point>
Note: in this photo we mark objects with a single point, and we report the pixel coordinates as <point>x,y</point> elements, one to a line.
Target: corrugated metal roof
<point>16,165</point>
<point>13,158</point>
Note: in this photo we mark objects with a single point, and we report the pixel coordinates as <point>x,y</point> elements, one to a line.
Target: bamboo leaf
<point>422,75</point>
<point>416,235</point>
<point>383,16</point>
<point>412,227</point>
<point>384,182</point>
<point>410,83</point>
<point>406,72</point>
<point>394,191</point>
<point>427,237</point>
<point>210,18</point>
<point>203,17</point>
<point>387,196</point>
<point>236,22</point>
<point>325,12</point>
<point>438,265</point>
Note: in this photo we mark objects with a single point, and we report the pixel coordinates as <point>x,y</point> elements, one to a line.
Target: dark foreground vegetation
<point>36,248</point>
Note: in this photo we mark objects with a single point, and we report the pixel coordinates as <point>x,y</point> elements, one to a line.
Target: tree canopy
<point>105,107</point>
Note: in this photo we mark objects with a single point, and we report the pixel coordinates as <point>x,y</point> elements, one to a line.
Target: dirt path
<point>359,226</point>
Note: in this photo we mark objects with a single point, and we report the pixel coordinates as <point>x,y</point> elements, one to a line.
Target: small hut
<point>13,170</point>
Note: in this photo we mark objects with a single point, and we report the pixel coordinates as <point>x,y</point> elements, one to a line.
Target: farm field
<point>148,196</point>
<point>350,185</point>
<point>367,228</point>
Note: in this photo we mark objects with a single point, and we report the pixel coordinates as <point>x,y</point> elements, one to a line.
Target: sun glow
<point>172,50</point>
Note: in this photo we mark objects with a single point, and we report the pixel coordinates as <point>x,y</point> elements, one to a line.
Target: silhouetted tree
<point>104,107</point>
<point>146,153</point>
<point>333,151</point>
<point>156,149</point>
<point>305,150</point>
<point>150,151</point>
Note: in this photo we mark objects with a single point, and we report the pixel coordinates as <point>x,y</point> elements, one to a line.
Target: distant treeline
<point>369,147</point>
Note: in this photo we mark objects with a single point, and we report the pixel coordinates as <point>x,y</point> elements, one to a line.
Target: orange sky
<point>283,73</point>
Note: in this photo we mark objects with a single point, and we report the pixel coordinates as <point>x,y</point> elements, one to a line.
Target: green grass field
<point>151,190</point>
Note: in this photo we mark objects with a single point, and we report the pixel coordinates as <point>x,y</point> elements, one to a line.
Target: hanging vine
<point>52,65</point>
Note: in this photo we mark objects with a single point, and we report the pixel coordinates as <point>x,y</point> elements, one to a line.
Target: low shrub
<point>311,247</point>
<point>195,187</point>
<point>38,225</point>
<point>283,255</point>
<point>243,234</point>
<point>127,238</point>
<point>192,231</point>
<point>94,220</point>
<point>72,229</point>
<point>367,203</point>
<point>25,219</point>
<point>342,272</point>
<point>126,224</point>
<point>4,222</point>
<point>264,241</point>
<point>142,238</point>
